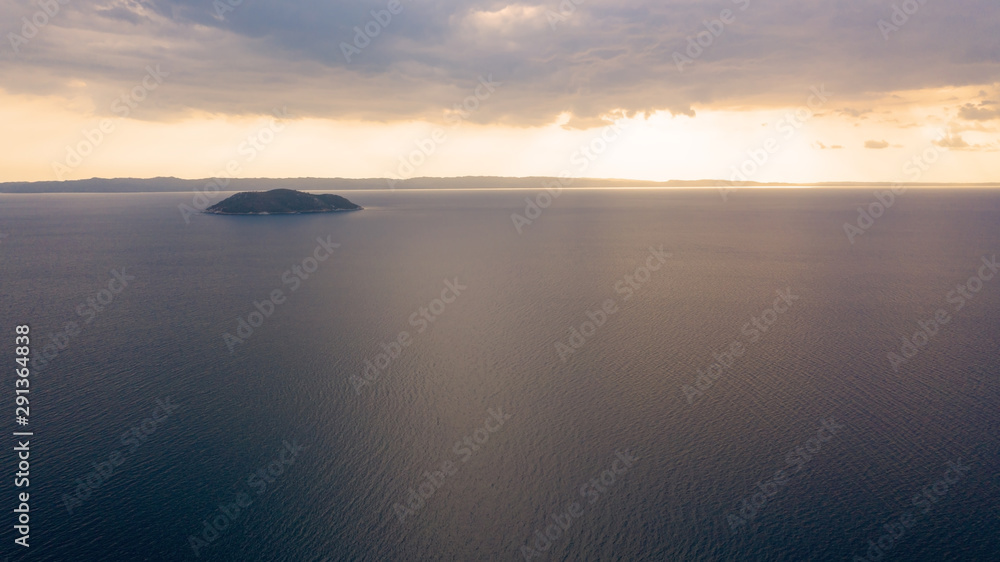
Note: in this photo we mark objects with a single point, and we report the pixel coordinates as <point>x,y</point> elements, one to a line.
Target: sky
<point>758,90</point>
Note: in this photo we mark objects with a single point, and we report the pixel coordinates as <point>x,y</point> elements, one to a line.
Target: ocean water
<point>549,382</point>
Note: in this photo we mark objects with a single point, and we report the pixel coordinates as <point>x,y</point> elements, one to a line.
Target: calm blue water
<point>283,400</point>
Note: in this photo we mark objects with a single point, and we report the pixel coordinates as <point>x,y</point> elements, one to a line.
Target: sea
<point>450,375</point>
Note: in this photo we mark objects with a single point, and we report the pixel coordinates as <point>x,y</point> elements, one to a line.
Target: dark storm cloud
<point>601,56</point>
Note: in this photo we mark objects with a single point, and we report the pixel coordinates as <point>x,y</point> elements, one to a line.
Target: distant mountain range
<point>153,185</point>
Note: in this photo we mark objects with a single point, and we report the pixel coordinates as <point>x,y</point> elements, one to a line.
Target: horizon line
<point>623,182</point>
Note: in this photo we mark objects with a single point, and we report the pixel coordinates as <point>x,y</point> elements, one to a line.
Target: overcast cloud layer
<point>590,61</point>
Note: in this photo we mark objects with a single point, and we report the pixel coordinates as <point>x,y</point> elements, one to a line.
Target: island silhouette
<point>281,202</point>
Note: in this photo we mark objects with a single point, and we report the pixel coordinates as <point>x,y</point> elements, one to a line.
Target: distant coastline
<point>166,185</point>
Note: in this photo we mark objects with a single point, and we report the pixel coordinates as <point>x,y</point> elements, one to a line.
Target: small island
<point>281,202</point>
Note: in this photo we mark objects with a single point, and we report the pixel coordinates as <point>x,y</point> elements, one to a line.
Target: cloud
<point>822,146</point>
<point>855,113</point>
<point>876,145</point>
<point>952,141</point>
<point>129,11</point>
<point>956,142</point>
<point>604,56</point>
<point>977,126</point>
<point>985,111</point>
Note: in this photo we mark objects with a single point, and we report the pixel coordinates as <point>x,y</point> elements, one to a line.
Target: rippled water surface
<point>518,384</point>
